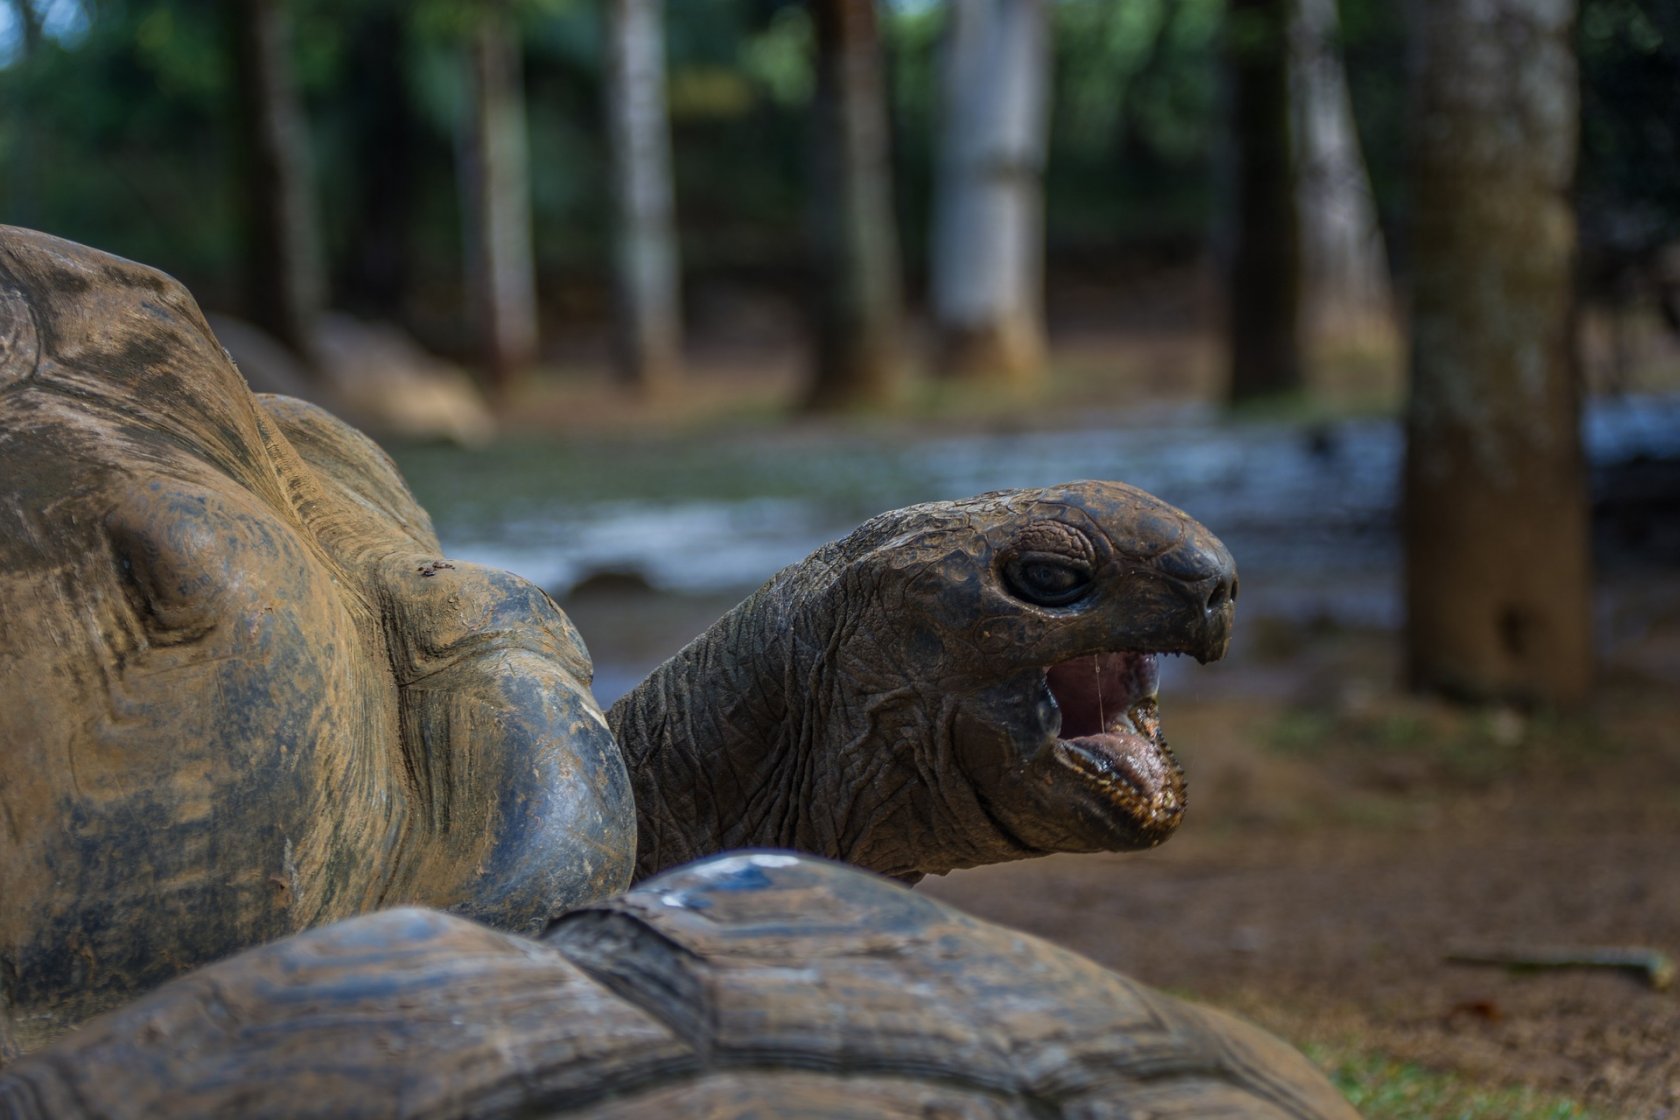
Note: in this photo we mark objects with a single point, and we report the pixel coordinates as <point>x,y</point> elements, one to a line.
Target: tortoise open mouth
<point>1111,738</point>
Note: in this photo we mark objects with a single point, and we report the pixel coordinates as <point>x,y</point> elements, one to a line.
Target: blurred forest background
<point>1037,213</point>
<point>648,299</point>
<point>287,156</point>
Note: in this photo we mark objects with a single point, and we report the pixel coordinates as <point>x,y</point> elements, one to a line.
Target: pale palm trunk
<point>649,314</point>
<point>988,236</point>
<point>1344,270</point>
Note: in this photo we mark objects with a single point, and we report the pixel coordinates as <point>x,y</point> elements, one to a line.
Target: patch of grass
<point>1296,407</point>
<point>1382,1088</point>
<point>1379,812</point>
<point>1304,732</point>
<point>1468,747</point>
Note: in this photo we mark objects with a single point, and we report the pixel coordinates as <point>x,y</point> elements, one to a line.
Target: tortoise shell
<point>245,694</point>
<point>749,984</point>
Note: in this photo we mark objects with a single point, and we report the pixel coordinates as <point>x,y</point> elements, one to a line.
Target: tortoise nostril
<point>1221,594</point>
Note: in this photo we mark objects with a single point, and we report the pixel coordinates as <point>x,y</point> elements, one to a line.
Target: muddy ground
<point>1342,841</point>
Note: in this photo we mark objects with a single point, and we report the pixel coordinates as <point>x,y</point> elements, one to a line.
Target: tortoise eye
<point>1048,581</point>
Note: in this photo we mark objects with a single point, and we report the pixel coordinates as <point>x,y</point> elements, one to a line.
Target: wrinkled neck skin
<point>746,738</point>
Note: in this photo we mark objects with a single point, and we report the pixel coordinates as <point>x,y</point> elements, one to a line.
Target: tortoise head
<point>953,684</point>
<point>1009,644</point>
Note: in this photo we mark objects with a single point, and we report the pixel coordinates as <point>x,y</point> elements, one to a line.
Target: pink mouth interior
<point>1097,691</point>
<point>1111,736</point>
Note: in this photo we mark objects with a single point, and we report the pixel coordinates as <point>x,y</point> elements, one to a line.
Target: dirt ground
<point>1343,841</point>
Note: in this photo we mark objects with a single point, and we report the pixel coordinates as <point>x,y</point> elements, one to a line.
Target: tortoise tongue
<point>1111,734</point>
<point>1098,693</point>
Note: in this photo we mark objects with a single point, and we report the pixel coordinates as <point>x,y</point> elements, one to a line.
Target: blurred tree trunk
<point>1263,269</point>
<point>1344,273</point>
<point>284,274</point>
<point>381,261</point>
<point>859,299</point>
<point>496,197</point>
<point>1495,511</point>
<point>649,327</point>
<point>988,239</point>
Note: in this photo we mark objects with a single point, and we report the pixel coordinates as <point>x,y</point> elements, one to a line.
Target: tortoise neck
<point>714,741</point>
<point>786,725</point>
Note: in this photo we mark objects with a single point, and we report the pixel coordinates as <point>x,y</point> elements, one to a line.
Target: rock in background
<point>370,374</point>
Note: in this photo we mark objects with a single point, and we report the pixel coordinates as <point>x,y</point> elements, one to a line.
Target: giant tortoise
<point>243,693</point>
<point>746,985</point>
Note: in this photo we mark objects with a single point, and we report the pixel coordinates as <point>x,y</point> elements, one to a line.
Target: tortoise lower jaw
<point>1076,763</point>
<point>1133,772</point>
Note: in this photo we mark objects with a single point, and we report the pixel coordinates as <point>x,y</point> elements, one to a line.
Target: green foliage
<point>1100,46</point>
<point>741,168</point>
<point>1374,51</point>
<point>1385,1089</point>
<point>1462,747</point>
<point>778,58</point>
<point>117,129</point>
<point>453,20</point>
<point>1135,123</point>
<point>1630,123</point>
<point>103,135</point>
<point>182,52</point>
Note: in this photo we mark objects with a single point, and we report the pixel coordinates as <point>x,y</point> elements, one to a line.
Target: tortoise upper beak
<point>1182,600</point>
<point>1219,612</point>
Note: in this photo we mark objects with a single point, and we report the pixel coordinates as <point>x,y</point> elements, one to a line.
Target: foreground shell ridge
<point>506,1051</point>
<point>611,943</point>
